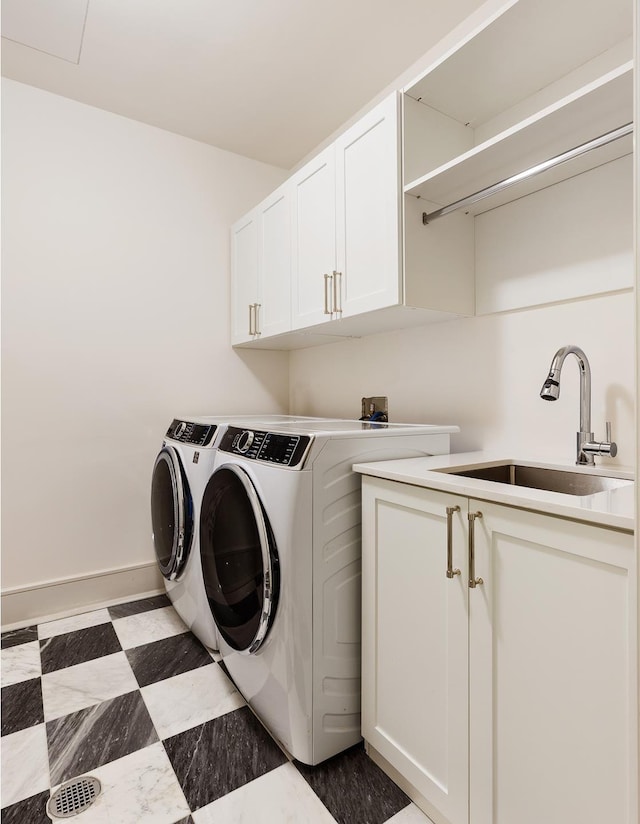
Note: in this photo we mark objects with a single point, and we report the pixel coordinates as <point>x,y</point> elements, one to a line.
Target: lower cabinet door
<point>553,690</point>
<point>415,627</point>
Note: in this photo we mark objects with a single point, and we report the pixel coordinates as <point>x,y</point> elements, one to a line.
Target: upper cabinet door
<point>313,225</point>
<point>368,212</point>
<point>244,277</point>
<point>274,263</point>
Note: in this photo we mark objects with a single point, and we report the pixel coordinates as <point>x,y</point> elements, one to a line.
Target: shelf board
<point>596,108</point>
<point>523,47</point>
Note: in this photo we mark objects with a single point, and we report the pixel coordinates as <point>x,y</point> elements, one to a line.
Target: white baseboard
<point>63,597</point>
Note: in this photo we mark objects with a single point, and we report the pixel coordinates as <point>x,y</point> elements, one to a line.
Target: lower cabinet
<point>499,683</point>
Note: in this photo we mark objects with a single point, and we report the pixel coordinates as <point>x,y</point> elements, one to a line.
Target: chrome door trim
<point>268,580</point>
<point>169,455</point>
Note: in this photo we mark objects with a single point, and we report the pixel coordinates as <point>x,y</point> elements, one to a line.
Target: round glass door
<point>239,559</point>
<point>171,513</point>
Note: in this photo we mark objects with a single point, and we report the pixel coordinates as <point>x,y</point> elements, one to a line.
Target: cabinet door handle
<point>337,292</point>
<point>327,295</point>
<point>473,581</point>
<point>252,329</point>
<point>256,314</point>
<point>451,572</point>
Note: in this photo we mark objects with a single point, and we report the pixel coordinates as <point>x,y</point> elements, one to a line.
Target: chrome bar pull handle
<point>327,294</point>
<point>256,315</point>
<point>451,572</point>
<point>473,581</point>
<point>337,292</point>
<point>251,322</point>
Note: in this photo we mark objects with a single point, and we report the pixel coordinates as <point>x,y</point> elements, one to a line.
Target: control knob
<point>179,430</point>
<point>244,441</point>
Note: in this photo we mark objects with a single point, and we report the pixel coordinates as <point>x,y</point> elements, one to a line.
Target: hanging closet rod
<point>596,143</point>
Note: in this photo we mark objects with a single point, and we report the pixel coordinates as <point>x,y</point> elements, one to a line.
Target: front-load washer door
<point>239,559</point>
<point>171,513</point>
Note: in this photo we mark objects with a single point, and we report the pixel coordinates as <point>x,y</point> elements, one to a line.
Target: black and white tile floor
<point>128,695</point>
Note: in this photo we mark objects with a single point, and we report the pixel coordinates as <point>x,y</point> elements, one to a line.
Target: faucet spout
<point>551,387</point>
<point>587,447</point>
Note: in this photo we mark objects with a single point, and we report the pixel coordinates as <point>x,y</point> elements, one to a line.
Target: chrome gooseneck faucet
<point>586,446</point>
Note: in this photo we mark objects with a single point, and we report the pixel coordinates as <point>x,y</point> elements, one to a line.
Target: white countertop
<point>612,508</point>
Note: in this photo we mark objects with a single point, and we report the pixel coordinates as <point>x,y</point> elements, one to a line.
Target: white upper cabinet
<point>261,270</point>
<point>368,268</point>
<point>313,225</point>
<point>244,277</point>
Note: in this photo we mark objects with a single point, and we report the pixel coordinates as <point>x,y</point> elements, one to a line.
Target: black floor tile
<point>22,706</point>
<point>136,607</point>
<point>166,658</point>
<point>353,788</point>
<point>187,820</point>
<point>29,811</point>
<point>13,637</point>
<point>77,647</point>
<point>91,737</point>
<point>221,755</point>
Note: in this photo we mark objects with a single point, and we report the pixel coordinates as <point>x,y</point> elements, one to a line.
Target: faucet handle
<point>607,429</point>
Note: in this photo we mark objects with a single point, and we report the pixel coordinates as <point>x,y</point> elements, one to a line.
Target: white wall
<point>485,374</point>
<point>114,319</point>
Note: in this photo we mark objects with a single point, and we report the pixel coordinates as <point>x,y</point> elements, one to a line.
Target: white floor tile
<point>83,685</point>
<point>20,663</point>
<point>73,623</point>
<point>25,764</point>
<point>410,815</point>
<point>135,630</point>
<point>140,788</point>
<point>184,701</point>
<point>282,796</point>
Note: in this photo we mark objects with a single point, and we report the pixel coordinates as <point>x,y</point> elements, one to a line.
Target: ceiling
<point>269,79</point>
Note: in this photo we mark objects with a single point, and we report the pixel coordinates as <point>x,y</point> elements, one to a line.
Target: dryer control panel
<point>189,432</point>
<point>270,447</point>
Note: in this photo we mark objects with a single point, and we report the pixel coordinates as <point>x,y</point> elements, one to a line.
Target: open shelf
<point>596,108</point>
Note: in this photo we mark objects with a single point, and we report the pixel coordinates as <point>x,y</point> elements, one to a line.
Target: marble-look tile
<point>187,820</point>
<point>146,627</point>
<point>29,811</point>
<point>410,815</point>
<point>139,788</point>
<point>21,706</point>
<point>184,701</point>
<point>20,663</point>
<point>92,737</point>
<point>13,637</point>
<point>73,688</point>
<point>74,622</point>
<point>221,755</point>
<point>25,767</point>
<point>141,605</point>
<point>353,788</point>
<point>282,796</point>
<point>76,647</point>
<point>166,658</point>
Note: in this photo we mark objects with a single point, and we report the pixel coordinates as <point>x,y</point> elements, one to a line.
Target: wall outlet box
<point>377,405</point>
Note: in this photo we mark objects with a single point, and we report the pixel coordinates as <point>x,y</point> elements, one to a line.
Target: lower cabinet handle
<point>451,572</point>
<point>473,581</point>
<point>327,295</point>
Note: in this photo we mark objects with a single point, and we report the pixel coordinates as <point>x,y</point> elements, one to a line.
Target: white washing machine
<point>280,550</point>
<point>181,471</point>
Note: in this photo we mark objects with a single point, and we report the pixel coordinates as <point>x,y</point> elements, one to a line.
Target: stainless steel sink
<point>552,480</point>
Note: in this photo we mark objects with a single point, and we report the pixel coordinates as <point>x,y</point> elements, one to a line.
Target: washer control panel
<point>270,447</point>
<point>192,433</point>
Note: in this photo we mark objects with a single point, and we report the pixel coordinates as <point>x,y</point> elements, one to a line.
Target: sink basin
<point>552,480</point>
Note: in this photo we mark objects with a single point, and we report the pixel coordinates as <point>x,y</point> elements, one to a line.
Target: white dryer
<point>280,548</point>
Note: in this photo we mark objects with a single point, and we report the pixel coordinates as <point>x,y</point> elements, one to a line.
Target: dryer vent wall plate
<point>375,408</point>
